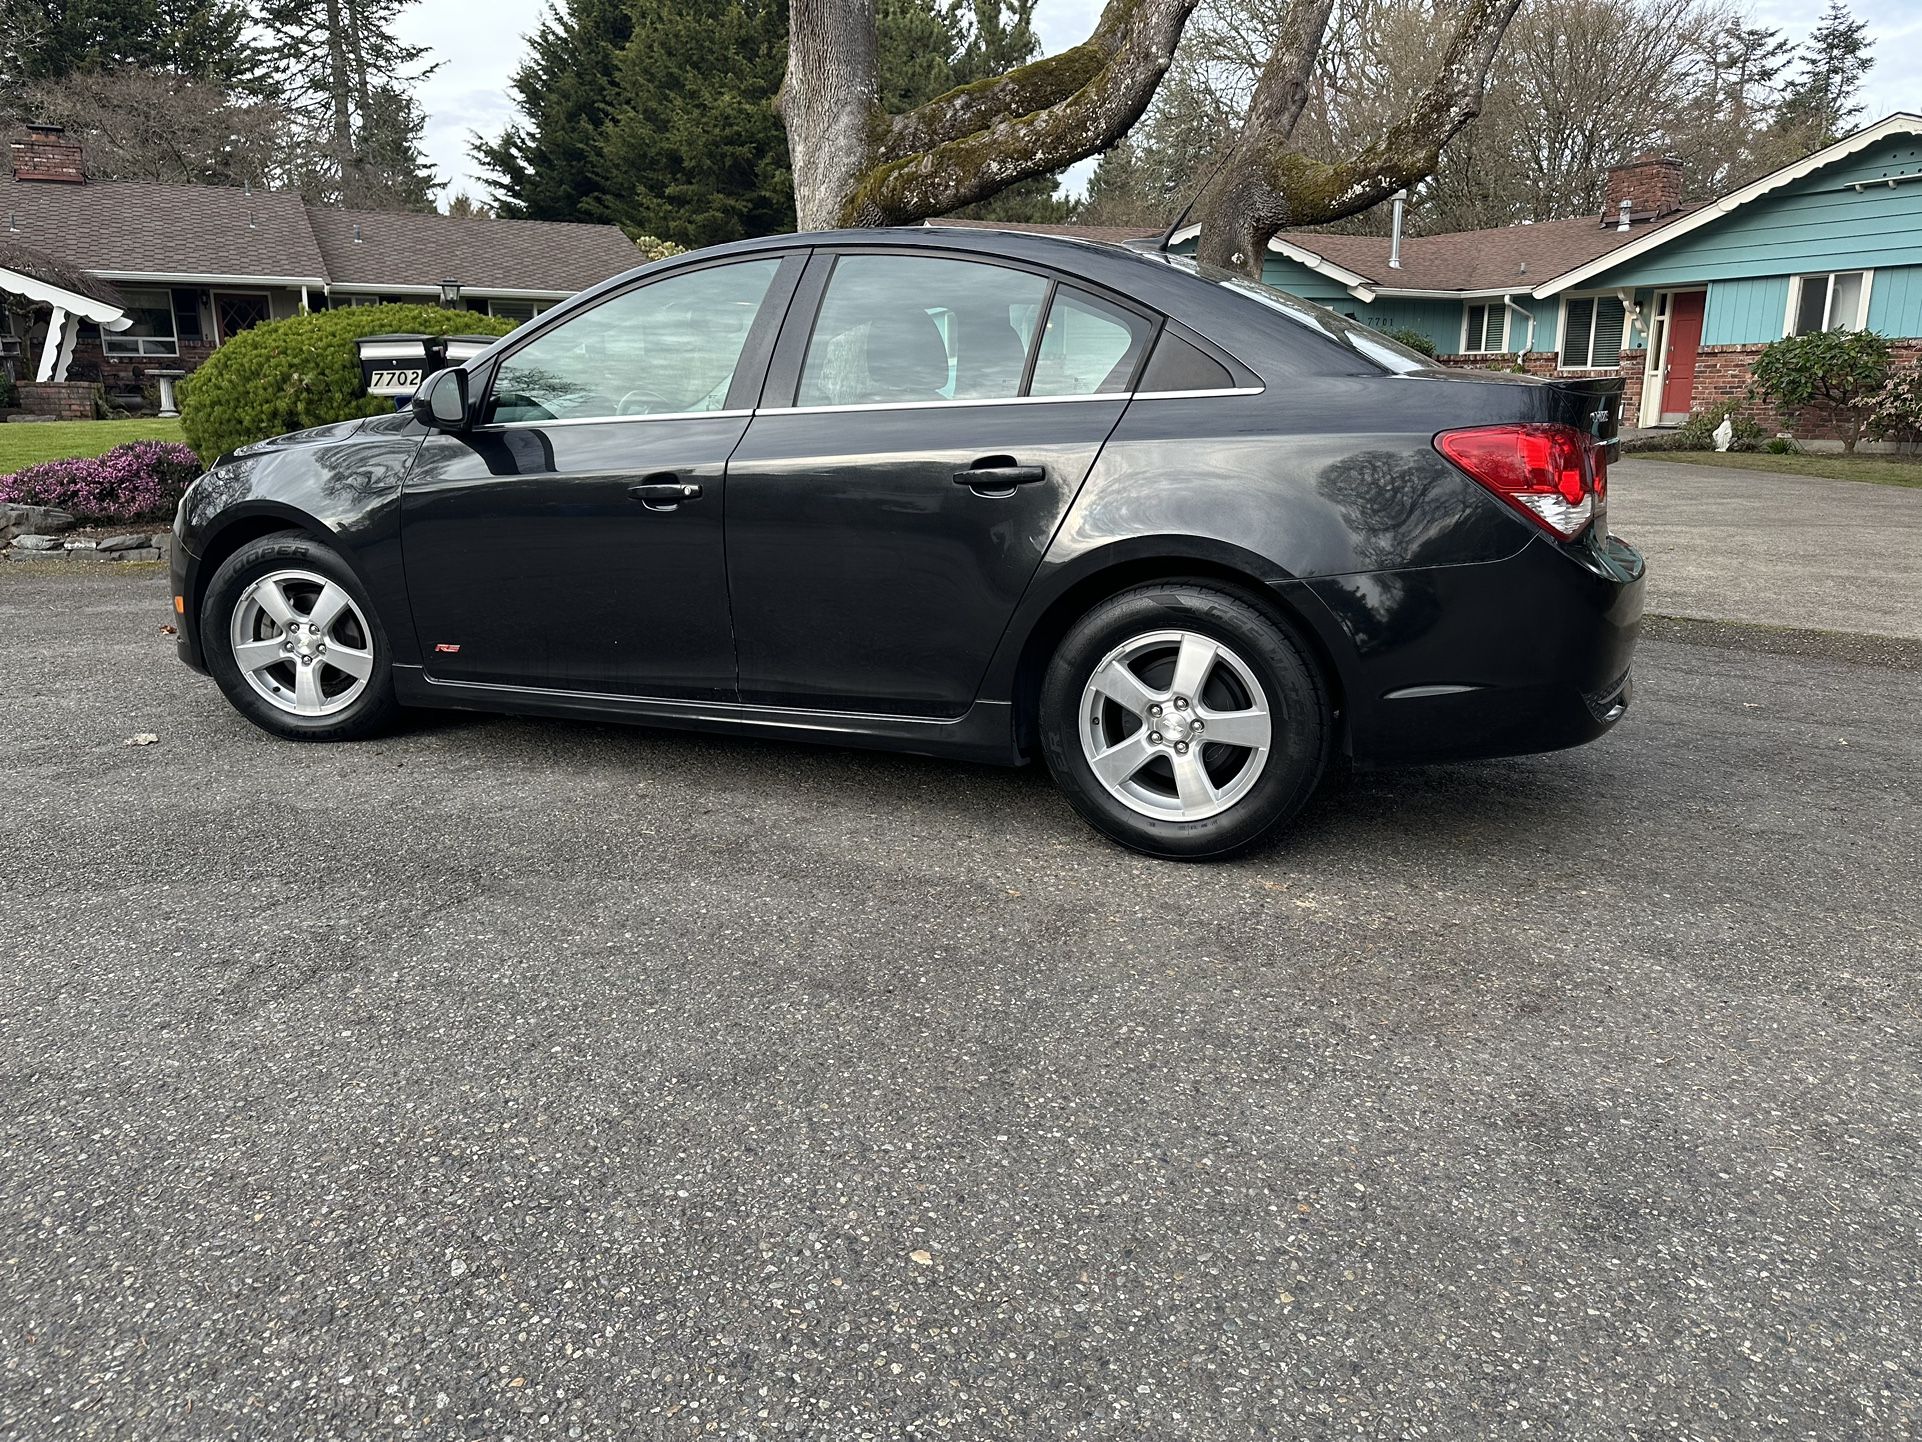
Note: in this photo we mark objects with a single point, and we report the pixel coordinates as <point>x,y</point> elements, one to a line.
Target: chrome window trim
<point>875,406</point>
<point>611,420</point>
<point>1004,401</point>
<point>1189,395</point>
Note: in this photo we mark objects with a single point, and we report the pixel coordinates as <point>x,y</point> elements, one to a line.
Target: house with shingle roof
<point>157,276</point>
<point>1676,297</point>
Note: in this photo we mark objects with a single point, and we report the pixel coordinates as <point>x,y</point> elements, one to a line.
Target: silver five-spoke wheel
<point>302,643</point>
<point>1175,725</point>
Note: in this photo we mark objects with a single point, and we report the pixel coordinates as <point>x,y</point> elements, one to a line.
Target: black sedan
<point>972,493</point>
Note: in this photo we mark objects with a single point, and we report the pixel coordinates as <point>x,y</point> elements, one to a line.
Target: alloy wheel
<point>301,643</point>
<point>1175,725</point>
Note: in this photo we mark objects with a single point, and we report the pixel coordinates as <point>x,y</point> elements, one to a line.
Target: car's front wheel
<point>1183,721</point>
<point>294,643</point>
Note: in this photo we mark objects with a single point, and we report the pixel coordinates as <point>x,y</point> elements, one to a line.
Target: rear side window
<point>1088,347</point>
<point>920,328</point>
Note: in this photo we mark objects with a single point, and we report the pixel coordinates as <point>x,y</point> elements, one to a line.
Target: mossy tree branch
<point>854,165</point>
<point>1264,186</point>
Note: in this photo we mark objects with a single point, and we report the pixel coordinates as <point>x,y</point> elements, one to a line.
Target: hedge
<point>139,481</point>
<point>286,375</point>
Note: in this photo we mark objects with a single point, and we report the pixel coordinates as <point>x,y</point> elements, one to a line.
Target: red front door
<point>1684,340</point>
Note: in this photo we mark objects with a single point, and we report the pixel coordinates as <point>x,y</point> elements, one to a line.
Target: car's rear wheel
<point>294,643</point>
<point>1183,721</point>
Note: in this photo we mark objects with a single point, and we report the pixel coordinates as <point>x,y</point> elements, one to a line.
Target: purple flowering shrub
<point>139,481</point>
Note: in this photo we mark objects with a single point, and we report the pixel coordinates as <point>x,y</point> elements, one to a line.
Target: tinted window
<point>1088,348</point>
<point>917,328</point>
<point>663,348</point>
<point>1178,366</point>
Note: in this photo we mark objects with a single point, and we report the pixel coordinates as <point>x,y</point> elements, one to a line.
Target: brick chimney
<point>1651,184</point>
<point>47,154</point>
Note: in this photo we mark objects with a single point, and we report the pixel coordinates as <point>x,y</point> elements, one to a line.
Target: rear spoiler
<point>1602,399</point>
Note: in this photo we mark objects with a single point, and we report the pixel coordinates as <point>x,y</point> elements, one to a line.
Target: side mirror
<point>441,401</point>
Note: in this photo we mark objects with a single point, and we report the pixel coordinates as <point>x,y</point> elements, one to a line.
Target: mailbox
<point>460,349</point>
<point>395,365</point>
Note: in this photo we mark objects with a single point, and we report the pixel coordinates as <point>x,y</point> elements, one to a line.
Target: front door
<point>882,529</point>
<point>1681,339</point>
<point>572,539</point>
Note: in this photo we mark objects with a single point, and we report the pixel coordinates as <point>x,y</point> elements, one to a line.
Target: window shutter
<point>1609,320</point>
<point>1578,319</point>
<point>1472,334</point>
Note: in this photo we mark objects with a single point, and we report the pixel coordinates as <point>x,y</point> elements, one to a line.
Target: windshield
<point>1352,335</point>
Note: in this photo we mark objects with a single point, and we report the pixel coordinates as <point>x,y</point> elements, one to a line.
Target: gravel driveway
<point>534,1079</point>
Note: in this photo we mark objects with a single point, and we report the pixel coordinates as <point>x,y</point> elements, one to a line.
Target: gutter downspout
<point>1508,302</point>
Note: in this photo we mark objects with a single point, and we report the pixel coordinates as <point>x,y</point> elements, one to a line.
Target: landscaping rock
<point>124,543</point>
<point>38,543</point>
<point>44,521</point>
<point>138,553</point>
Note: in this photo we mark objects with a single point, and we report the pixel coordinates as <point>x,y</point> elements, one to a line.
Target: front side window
<point>1487,328</point>
<point>1830,302</point>
<point>665,348</point>
<point>898,328</point>
<point>1592,332</point>
<point>152,331</point>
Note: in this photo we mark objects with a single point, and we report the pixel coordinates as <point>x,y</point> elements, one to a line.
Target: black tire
<point>366,714</point>
<point>1296,697</point>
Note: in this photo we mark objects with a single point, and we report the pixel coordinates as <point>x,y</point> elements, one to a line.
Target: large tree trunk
<point>1263,186</point>
<point>855,165</point>
<point>829,105</point>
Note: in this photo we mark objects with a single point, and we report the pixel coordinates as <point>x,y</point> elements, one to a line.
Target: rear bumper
<point>1527,654</point>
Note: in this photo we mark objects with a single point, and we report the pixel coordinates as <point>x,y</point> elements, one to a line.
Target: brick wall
<point>68,400</point>
<point>1535,363</point>
<point>1722,375</point>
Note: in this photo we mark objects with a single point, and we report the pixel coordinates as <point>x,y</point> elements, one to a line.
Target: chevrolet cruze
<point>979,494</point>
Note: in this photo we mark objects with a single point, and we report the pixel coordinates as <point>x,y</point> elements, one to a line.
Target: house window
<point>1837,301</point>
<point>514,310</point>
<point>1592,332</point>
<point>152,331</point>
<point>1487,329</point>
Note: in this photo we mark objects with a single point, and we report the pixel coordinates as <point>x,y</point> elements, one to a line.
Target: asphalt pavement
<point>1774,550</point>
<point>529,1079</point>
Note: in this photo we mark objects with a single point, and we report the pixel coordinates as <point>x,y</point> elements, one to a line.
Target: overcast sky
<point>479,42</point>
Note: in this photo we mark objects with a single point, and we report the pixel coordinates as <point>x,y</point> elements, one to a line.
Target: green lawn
<point>24,444</point>
<point>1876,470</point>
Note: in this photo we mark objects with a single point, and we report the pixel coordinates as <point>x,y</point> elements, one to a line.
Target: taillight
<point>1555,475</point>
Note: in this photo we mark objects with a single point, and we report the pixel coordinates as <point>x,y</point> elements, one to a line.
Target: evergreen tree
<point>347,82</point>
<point>692,151</point>
<point>659,114</point>
<point>548,166</point>
<point>50,40</point>
<point>1822,105</point>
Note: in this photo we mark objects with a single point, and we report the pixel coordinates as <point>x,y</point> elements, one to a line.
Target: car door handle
<point>664,495</point>
<point>999,473</point>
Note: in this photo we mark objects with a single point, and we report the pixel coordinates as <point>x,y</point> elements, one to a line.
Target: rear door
<point>926,427</point>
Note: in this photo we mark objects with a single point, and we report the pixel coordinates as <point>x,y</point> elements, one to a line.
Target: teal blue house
<point>1676,297</point>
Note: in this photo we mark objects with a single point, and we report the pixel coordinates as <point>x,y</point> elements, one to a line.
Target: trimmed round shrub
<point>286,375</point>
<point>1413,339</point>
<point>139,481</point>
